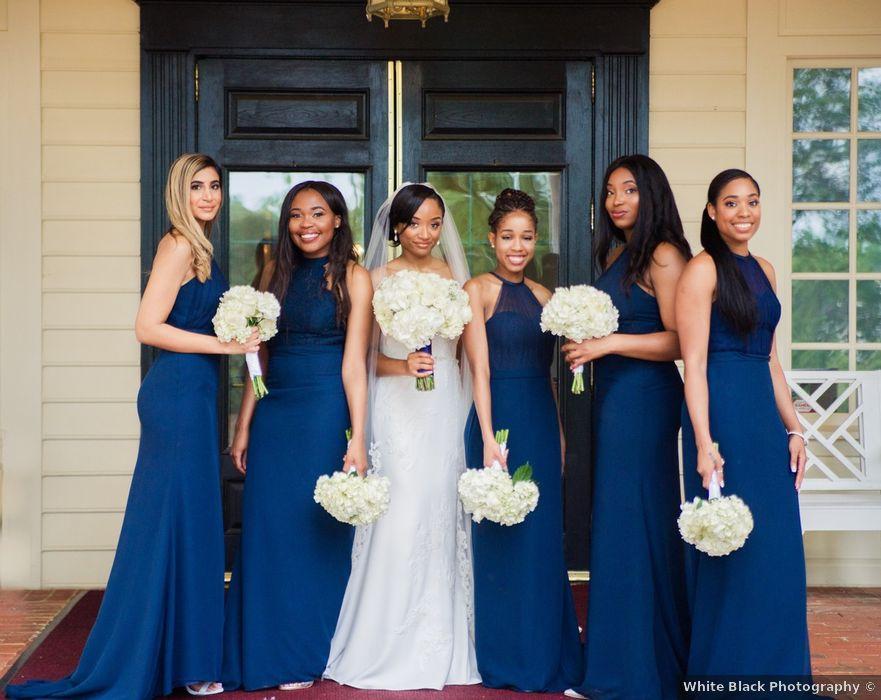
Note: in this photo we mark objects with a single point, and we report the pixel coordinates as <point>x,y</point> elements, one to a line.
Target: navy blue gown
<point>637,620</point>
<point>160,625</point>
<point>526,632</point>
<point>291,570</point>
<point>748,608</point>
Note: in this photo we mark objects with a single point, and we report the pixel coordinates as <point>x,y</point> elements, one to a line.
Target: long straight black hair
<point>657,220</point>
<point>736,302</point>
<point>288,257</point>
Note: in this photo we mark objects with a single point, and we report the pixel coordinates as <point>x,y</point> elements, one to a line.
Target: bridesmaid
<point>636,641</point>
<point>290,574</point>
<point>728,311</point>
<point>525,625</point>
<point>161,620</point>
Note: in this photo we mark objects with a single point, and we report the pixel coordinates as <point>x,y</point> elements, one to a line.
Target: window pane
<point>254,202</point>
<point>471,195</point>
<point>820,170</point>
<point>819,241</point>
<point>870,99</point>
<point>869,173</point>
<point>819,359</point>
<point>821,99</point>
<point>819,311</point>
<point>868,359</point>
<point>869,241</point>
<point>869,311</point>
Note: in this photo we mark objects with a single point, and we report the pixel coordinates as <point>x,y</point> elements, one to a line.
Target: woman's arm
<point>783,399</point>
<point>354,371</point>
<point>694,300</point>
<point>172,264</point>
<point>665,271</point>
<point>238,449</point>
<point>477,349</point>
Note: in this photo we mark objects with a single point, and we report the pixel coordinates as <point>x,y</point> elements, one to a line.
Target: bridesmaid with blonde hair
<point>160,625</point>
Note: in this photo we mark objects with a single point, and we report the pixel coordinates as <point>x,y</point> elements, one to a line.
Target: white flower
<point>716,527</point>
<point>491,493</point>
<point>414,307</point>
<point>579,312</point>
<point>241,310</point>
<point>353,499</point>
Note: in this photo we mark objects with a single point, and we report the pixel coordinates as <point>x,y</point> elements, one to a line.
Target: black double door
<point>468,127</point>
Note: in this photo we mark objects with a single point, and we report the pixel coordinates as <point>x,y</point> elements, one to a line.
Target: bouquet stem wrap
<point>252,359</point>
<point>578,380</point>
<point>426,381</point>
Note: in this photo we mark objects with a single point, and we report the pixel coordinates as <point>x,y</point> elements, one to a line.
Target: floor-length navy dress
<point>637,620</point>
<point>160,625</point>
<point>749,609</point>
<point>526,632</point>
<point>291,571</point>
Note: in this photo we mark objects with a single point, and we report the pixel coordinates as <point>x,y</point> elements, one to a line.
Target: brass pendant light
<point>422,10</point>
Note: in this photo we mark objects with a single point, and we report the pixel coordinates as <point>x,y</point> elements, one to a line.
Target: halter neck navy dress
<point>291,570</point>
<point>748,608</point>
<point>526,633</point>
<point>160,625</point>
<point>637,620</point>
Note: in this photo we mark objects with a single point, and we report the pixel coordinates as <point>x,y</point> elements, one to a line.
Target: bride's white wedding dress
<point>407,617</point>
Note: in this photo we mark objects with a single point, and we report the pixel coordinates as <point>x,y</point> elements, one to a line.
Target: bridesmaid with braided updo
<point>525,625</point>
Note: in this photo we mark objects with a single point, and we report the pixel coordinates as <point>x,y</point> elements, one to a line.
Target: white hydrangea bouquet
<point>494,494</point>
<point>579,312</point>
<point>414,307</point>
<point>717,526</point>
<point>243,309</point>
<point>352,498</point>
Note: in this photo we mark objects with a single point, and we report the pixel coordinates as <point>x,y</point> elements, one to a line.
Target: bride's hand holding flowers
<point>356,456</point>
<point>419,364</point>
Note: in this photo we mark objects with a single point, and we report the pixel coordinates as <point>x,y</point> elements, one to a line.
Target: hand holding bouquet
<point>717,526</point>
<point>577,313</point>
<point>494,494</point>
<point>243,309</point>
<point>414,307</point>
<point>351,498</point>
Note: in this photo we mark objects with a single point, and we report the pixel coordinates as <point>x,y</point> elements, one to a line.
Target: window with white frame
<point>836,217</point>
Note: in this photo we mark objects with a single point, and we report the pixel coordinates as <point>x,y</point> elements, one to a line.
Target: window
<point>836,217</point>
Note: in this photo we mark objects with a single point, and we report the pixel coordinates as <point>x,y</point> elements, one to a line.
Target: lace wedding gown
<point>407,618</point>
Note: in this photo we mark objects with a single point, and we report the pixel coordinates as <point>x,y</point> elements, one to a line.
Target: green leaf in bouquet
<point>523,473</point>
<point>349,434</point>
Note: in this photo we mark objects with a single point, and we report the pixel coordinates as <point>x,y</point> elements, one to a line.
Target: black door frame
<point>176,34</point>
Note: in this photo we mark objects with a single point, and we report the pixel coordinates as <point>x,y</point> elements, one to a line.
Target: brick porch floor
<point>845,626</point>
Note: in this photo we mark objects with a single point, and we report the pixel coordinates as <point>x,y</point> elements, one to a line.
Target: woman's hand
<point>356,457</point>
<point>419,364</point>
<point>238,450</point>
<point>587,350</point>
<point>798,458</point>
<point>252,344</point>
<point>492,452</point>
<point>708,461</point>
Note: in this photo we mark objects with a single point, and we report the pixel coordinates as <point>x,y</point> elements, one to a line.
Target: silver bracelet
<point>804,439</point>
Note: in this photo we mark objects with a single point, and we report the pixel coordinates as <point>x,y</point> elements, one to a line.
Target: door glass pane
<point>869,311</point>
<point>821,99</point>
<point>869,241</point>
<point>819,311</point>
<point>819,359</point>
<point>820,170</point>
<point>870,99</point>
<point>819,241</point>
<point>869,171</point>
<point>470,197</point>
<point>254,202</point>
<point>869,359</point>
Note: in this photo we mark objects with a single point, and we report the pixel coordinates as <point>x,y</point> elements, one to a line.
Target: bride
<point>407,616</point>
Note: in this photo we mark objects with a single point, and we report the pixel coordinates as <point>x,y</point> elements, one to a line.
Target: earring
<point>395,237</point>
<point>492,245</point>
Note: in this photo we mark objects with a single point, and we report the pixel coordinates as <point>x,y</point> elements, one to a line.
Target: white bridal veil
<point>379,253</point>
